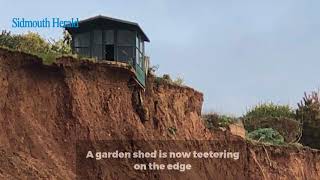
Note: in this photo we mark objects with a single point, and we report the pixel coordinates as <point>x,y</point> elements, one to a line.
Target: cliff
<point>46,109</point>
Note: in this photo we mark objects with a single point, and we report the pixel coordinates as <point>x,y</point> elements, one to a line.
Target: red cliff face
<point>44,110</point>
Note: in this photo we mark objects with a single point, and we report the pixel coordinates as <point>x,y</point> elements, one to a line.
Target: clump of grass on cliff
<point>33,43</point>
<point>167,79</point>
<point>215,120</point>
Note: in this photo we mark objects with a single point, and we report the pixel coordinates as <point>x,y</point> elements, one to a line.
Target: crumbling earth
<point>46,109</point>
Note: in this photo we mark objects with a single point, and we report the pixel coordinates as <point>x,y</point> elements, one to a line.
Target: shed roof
<point>105,19</point>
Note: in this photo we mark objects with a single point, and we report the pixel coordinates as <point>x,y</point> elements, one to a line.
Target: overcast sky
<point>238,53</point>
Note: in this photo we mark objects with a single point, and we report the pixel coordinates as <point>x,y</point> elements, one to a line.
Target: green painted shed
<point>110,39</point>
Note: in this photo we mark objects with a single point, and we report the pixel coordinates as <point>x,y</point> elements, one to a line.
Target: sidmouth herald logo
<point>45,23</point>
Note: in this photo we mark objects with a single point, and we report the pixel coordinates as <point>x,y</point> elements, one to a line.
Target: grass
<point>172,130</point>
<point>167,79</point>
<point>215,120</point>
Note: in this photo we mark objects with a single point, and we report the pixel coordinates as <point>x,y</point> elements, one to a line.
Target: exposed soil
<point>45,109</point>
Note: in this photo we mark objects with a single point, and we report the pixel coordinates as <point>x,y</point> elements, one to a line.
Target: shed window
<point>97,44</point>
<point>109,37</point>
<point>141,46</point>
<point>137,42</point>
<point>139,51</point>
<point>82,40</point>
<point>97,51</point>
<point>82,43</point>
<point>97,37</point>
<point>126,37</point>
<point>125,54</point>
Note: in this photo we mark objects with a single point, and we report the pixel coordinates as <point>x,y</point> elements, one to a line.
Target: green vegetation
<point>172,130</point>
<point>33,43</point>
<point>179,81</point>
<point>152,70</point>
<point>266,135</point>
<point>268,122</point>
<point>300,125</point>
<point>308,113</point>
<point>167,79</point>
<point>281,118</point>
<point>270,110</point>
<point>215,120</point>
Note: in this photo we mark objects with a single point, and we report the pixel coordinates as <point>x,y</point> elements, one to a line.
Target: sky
<point>237,53</point>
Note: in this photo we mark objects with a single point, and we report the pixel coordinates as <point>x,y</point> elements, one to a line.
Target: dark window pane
<point>82,40</point>
<point>137,41</point>
<point>137,55</point>
<point>97,37</point>
<point>126,37</point>
<point>97,51</point>
<point>109,37</point>
<point>141,46</point>
<point>125,53</point>
<point>140,60</point>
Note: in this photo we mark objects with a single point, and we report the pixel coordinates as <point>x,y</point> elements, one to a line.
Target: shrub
<point>266,135</point>
<point>8,40</point>
<point>214,120</point>
<point>33,43</point>
<point>63,46</point>
<point>279,117</point>
<point>308,113</point>
<point>152,70</point>
<point>179,81</point>
<point>270,110</point>
<point>166,78</point>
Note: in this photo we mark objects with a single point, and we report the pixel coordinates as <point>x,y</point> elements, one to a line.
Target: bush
<point>270,110</point>
<point>179,81</point>
<point>8,40</point>
<point>63,46</point>
<point>166,78</point>
<point>33,43</point>
<point>152,70</point>
<point>267,135</point>
<point>279,117</point>
<point>214,120</point>
<point>308,113</point>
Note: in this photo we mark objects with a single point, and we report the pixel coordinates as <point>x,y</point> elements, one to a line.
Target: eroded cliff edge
<point>45,109</point>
